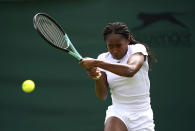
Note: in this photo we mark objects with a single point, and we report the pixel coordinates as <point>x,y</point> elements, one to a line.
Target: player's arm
<point>101,87</point>
<point>101,84</point>
<point>133,65</point>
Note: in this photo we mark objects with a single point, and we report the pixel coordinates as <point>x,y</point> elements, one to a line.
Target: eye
<point>110,46</point>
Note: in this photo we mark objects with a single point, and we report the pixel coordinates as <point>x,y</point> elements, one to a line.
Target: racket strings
<point>56,38</point>
<point>51,32</point>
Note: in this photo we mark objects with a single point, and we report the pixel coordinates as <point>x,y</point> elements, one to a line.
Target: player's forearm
<point>101,89</point>
<point>116,68</point>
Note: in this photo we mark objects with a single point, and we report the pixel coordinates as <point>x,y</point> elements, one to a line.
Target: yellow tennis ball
<point>28,86</point>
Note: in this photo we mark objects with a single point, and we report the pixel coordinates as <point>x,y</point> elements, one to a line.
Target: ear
<point>128,40</point>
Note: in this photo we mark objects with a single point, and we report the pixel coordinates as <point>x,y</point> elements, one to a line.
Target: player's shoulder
<point>138,48</point>
<point>138,45</point>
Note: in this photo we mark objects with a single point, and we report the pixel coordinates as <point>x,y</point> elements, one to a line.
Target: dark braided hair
<point>122,29</point>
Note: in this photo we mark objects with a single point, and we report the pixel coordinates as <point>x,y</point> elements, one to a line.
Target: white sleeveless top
<point>131,92</point>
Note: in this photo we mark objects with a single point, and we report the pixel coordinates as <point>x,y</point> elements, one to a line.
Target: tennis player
<point>124,69</point>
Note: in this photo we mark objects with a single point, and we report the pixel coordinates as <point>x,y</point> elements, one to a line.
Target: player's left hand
<point>87,63</point>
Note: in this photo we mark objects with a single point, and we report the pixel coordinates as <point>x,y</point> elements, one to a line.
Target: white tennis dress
<point>130,95</point>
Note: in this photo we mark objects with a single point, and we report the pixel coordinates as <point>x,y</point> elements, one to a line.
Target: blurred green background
<point>64,98</point>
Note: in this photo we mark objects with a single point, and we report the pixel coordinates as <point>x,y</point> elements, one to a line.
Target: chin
<point>117,57</point>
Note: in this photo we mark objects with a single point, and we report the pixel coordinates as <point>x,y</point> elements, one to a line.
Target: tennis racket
<point>53,34</point>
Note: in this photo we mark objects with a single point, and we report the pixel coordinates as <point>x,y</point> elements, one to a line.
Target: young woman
<point>124,69</point>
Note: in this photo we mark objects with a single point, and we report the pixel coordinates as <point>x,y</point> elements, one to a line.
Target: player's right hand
<point>94,73</point>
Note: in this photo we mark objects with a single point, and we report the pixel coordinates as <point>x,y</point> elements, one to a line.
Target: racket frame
<point>74,52</point>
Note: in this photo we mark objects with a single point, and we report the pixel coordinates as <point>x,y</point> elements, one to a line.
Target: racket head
<point>50,31</point>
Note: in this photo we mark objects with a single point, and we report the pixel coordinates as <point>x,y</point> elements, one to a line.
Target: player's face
<point>117,45</point>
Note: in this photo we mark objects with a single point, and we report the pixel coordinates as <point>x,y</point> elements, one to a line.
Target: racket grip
<point>75,56</point>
